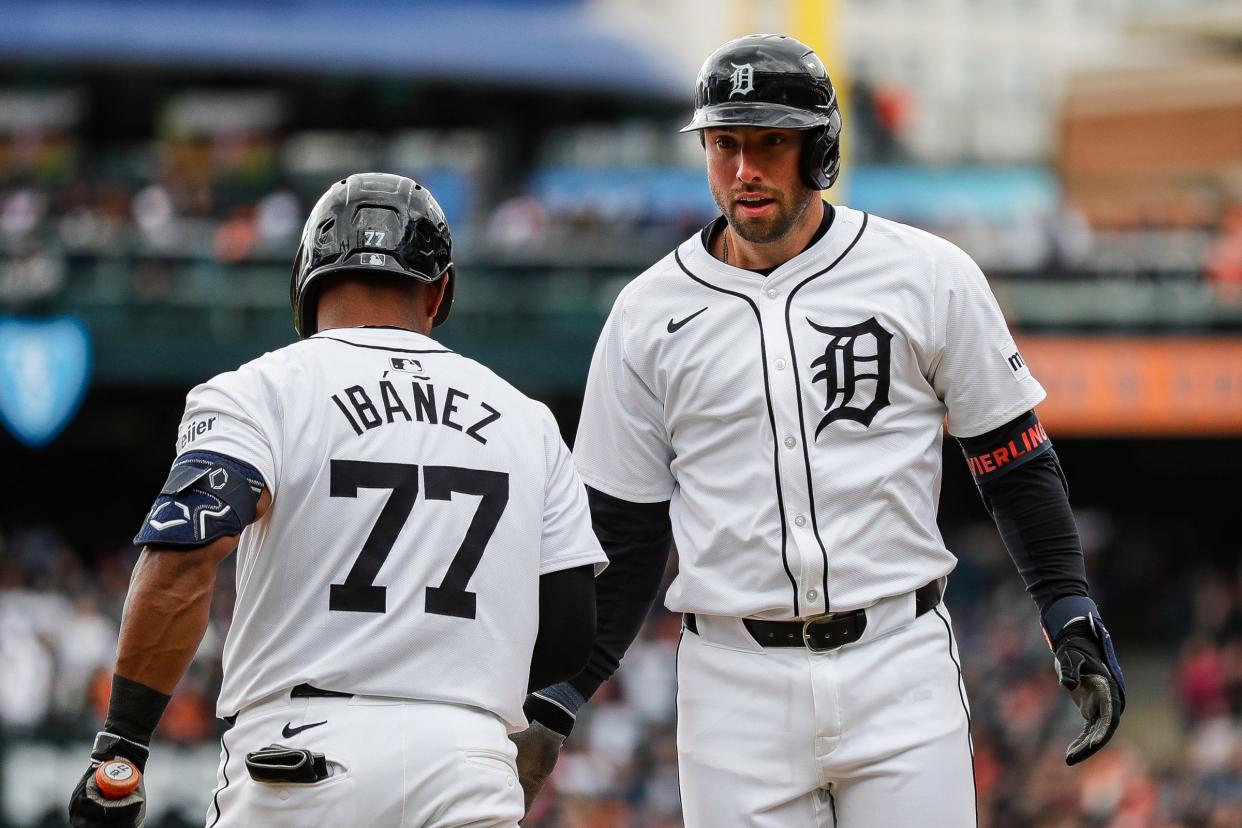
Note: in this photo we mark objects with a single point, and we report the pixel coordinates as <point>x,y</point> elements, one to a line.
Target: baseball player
<point>772,395</point>
<point>414,552</point>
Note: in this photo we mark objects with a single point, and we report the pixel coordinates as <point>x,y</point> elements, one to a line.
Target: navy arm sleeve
<point>566,625</point>
<point>636,537</point>
<point>1024,488</point>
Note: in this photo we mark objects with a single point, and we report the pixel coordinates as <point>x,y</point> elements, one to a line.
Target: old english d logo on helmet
<point>742,80</point>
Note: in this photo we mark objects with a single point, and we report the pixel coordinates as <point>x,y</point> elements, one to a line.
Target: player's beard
<point>766,229</point>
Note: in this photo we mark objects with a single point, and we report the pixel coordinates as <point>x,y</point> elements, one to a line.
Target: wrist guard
<point>555,707</point>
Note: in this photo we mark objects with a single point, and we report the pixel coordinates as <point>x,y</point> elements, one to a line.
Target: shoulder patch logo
<point>1013,358</point>
<point>848,352</point>
<point>194,429</point>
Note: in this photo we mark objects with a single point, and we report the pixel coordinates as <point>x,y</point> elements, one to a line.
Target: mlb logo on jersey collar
<point>44,373</point>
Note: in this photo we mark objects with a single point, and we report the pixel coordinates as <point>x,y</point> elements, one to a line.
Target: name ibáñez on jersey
<point>413,399</point>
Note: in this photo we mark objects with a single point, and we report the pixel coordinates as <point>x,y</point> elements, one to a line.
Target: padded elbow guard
<point>206,496</point>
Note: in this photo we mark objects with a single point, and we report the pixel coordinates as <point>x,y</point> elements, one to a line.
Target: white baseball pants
<point>393,763</point>
<point>872,735</point>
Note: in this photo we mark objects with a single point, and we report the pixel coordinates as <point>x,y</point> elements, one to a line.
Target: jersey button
<point>800,520</point>
<point>773,293</point>
<point>812,595</point>
<point>790,442</point>
<point>780,365</point>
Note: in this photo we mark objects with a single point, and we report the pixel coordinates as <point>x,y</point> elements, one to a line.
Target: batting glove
<point>538,748</point>
<point>551,713</point>
<point>89,808</point>
<point>1087,667</point>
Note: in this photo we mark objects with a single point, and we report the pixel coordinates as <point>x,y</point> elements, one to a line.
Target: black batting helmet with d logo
<point>773,81</point>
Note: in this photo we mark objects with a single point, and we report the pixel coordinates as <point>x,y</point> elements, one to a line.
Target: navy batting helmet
<point>773,81</point>
<point>372,222</point>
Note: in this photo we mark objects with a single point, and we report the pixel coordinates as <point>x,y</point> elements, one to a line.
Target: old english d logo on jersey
<point>854,364</point>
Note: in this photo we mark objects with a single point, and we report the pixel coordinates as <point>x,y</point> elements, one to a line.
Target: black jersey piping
<point>383,347</point>
<point>767,396</point>
<point>961,694</point>
<point>215,799</point>
<point>677,685</point>
<point>793,358</point>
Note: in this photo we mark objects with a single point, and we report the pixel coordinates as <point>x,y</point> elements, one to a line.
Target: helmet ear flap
<point>821,154</point>
<point>446,304</point>
<point>295,282</point>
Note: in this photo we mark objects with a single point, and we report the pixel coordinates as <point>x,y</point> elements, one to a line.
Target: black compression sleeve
<point>1022,485</point>
<point>636,538</point>
<point>566,625</point>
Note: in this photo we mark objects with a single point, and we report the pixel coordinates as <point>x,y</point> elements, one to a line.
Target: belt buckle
<point>806,635</point>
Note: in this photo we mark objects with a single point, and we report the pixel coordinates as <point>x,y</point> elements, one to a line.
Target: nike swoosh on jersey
<point>674,327</point>
<point>293,731</point>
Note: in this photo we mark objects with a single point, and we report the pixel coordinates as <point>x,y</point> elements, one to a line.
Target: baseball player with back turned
<point>771,395</point>
<point>414,552</point>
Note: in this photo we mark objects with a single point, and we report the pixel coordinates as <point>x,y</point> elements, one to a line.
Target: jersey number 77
<point>360,593</point>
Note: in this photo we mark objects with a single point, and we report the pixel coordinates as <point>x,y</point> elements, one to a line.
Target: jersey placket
<point>805,556</point>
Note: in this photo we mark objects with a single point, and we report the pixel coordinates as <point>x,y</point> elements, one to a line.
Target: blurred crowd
<point>48,230</point>
<point>206,192</point>
<point>1176,763</point>
<point>59,619</point>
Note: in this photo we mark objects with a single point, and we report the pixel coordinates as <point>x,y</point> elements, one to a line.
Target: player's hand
<point>90,807</point>
<point>538,749</point>
<point>1087,667</point>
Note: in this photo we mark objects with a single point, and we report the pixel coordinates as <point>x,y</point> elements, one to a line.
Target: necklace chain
<point>724,238</point>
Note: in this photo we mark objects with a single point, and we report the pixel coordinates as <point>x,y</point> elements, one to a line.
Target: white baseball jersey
<point>795,420</point>
<point>416,500</point>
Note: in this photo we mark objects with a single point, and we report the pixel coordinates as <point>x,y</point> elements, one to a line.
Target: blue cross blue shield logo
<point>44,372</point>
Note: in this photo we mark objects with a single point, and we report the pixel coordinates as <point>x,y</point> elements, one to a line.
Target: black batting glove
<point>1087,667</point>
<point>89,808</point>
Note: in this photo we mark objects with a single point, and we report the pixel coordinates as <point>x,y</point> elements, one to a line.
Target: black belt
<point>308,691</point>
<point>825,632</point>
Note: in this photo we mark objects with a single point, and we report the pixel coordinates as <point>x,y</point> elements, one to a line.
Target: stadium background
<point>157,160</point>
